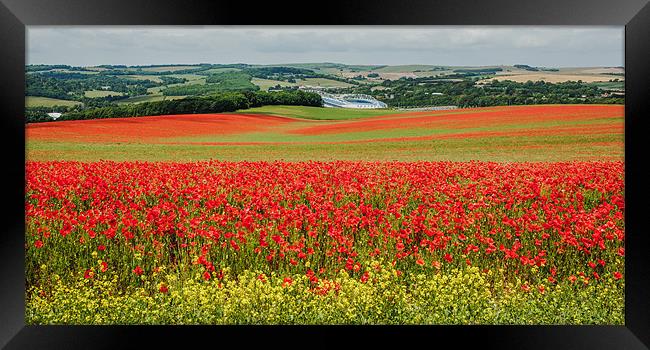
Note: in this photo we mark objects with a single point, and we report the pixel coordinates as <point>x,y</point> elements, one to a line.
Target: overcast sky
<point>438,45</point>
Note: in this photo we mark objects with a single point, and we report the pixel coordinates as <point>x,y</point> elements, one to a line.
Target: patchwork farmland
<point>515,133</point>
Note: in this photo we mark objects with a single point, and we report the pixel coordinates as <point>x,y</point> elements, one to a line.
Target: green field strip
<point>101,93</point>
<point>265,84</point>
<point>318,113</point>
<point>37,101</point>
<point>504,149</point>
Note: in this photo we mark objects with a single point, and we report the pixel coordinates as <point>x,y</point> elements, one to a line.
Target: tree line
<point>427,91</point>
<point>216,103</point>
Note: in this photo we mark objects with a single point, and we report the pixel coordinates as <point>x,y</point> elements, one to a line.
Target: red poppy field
<point>355,239</point>
<point>512,133</point>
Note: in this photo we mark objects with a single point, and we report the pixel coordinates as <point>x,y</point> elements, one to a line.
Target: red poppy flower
<point>287,281</point>
<point>38,244</point>
<point>89,274</point>
<point>163,289</point>
<point>104,266</point>
<point>618,275</point>
<point>364,277</point>
<point>138,270</point>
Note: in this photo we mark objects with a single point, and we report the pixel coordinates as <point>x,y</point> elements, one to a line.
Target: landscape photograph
<point>324,175</point>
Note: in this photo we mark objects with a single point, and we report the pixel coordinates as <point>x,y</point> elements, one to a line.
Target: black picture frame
<point>15,15</point>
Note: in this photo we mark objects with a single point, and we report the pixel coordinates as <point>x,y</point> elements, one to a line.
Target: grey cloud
<point>469,45</point>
